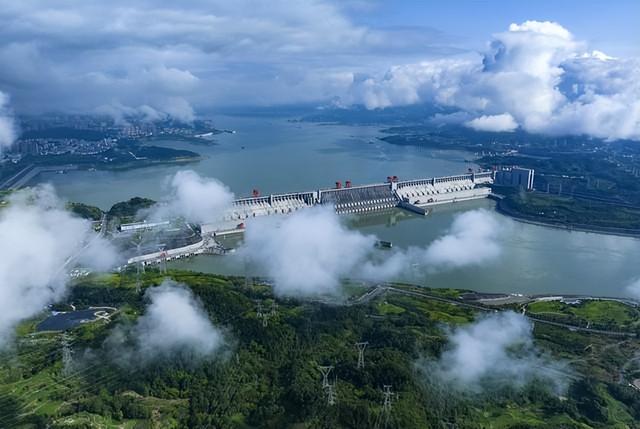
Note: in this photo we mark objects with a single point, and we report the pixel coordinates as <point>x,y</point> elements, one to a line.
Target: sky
<point>552,67</point>
<point>610,25</point>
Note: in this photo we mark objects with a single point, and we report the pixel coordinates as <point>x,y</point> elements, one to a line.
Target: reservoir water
<point>275,155</point>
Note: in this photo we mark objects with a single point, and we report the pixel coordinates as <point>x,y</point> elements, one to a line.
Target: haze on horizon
<point>493,66</point>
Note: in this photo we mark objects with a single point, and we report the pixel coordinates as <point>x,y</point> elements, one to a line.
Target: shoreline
<point>36,170</point>
<point>587,229</point>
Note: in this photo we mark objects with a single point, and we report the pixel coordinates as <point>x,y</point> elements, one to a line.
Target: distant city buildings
<point>516,177</point>
<point>69,146</point>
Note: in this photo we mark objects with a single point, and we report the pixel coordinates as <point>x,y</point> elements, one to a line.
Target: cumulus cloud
<point>471,240</point>
<point>535,76</point>
<point>7,124</point>
<point>310,251</point>
<point>202,53</point>
<point>495,350</point>
<point>166,108</point>
<point>196,198</point>
<point>306,253</point>
<point>39,241</point>
<point>174,324</point>
<point>494,123</point>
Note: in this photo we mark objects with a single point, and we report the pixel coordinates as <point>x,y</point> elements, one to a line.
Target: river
<point>275,155</point>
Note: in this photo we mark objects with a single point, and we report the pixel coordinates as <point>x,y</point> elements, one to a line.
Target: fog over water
<point>282,156</point>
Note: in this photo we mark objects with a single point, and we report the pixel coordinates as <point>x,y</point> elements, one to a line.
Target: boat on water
<point>384,244</point>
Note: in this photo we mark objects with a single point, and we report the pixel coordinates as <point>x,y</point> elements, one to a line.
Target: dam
<point>413,195</point>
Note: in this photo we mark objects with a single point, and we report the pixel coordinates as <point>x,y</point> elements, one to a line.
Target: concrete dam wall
<point>413,195</point>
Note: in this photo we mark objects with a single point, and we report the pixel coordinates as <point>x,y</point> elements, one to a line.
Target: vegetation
<point>128,209</point>
<point>268,376</point>
<point>592,184</point>
<point>569,212</point>
<point>608,315</point>
<point>126,154</point>
<point>85,211</point>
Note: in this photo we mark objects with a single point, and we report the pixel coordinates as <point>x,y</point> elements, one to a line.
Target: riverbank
<point>30,173</point>
<point>594,229</point>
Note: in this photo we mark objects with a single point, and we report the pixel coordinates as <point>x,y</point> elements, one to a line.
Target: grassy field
<point>607,314</point>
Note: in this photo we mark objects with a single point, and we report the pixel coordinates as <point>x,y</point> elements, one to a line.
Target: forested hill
<point>267,373</point>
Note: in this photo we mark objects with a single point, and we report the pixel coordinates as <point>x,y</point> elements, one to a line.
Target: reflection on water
<point>274,155</point>
<point>533,260</point>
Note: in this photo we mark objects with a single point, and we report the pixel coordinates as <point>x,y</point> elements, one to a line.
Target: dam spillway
<point>414,195</point>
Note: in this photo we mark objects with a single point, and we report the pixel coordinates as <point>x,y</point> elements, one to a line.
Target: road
<point>25,175</point>
<point>379,289</point>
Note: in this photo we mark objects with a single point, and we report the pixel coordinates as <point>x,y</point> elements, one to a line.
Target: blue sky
<point>613,26</point>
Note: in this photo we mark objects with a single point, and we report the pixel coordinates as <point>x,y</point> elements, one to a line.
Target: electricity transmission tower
<point>261,314</point>
<point>325,370</point>
<point>328,388</point>
<point>274,308</point>
<point>137,240</point>
<point>163,260</point>
<point>385,413</point>
<point>265,319</point>
<point>138,281</point>
<point>331,393</point>
<point>361,346</point>
<point>67,355</point>
<point>388,397</point>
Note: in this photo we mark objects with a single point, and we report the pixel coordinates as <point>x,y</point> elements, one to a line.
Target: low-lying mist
<point>309,252</point>
<point>174,324</point>
<point>496,350</point>
<point>192,197</point>
<point>39,242</point>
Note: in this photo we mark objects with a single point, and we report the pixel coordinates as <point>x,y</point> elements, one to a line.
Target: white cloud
<point>536,73</point>
<point>38,238</point>
<point>471,240</point>
<point>174,324</point>
<point>197,199</point>
<point>495,350</point>
<point>310,251</point>
<point>306,253</point>
<point>207,53</point>
<point>495,123</point>
<point>546,28</point>
<point>7,124</point>
<point>175,321</point>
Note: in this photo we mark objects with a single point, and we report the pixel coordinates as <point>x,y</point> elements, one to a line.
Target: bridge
<point>414,195</point>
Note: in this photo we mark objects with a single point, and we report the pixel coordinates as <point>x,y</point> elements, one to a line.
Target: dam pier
<point>415,196</point>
